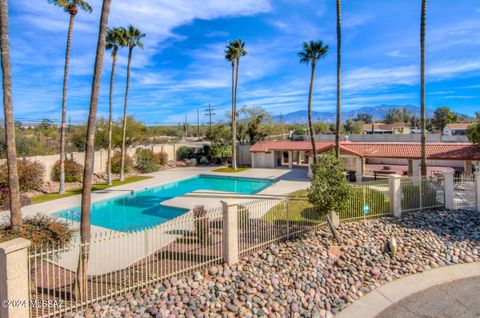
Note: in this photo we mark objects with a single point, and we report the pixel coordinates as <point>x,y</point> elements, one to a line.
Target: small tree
<point>473,133</point>
<point>329,191</point>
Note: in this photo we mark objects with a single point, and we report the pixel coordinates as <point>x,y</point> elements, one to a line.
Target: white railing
<point>420,193</point>
<point>120,262</point>
<point>464,196</point>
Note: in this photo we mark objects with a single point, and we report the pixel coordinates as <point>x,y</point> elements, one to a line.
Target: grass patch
<point>96,187</point>
<point>230,170</point>
<point>300,211</point>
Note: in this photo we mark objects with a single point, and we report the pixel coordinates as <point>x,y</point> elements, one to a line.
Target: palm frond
<point>312,52</point>
<point>84,5</point>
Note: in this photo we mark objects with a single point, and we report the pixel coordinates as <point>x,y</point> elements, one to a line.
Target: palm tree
<point>339,66</point>
<point>81,279</point>
<point>134,37</point>
<point>13,183</point>
<point>423,138</point>
<point>234,51</point>
<point>230,57</point>
<point>311,54</point>
<point>116,38</point>
<point>71,7</point>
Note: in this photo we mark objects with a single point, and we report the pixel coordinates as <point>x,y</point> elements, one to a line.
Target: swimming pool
<point>144,208</point>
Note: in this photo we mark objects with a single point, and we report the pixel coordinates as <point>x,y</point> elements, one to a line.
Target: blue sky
<point>182,67</point>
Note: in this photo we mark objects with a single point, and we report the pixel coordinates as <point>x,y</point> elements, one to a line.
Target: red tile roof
<point>458,125</point>
<point>441,151</point>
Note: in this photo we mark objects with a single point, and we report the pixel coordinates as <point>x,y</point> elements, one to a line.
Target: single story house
<point>275,153</point>
<point>381,128</point>
<point>456,129</point>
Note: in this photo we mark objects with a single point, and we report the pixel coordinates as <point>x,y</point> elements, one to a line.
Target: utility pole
<point>281,124</point>
<point>210,113</point>
<point>198,124</point>
<point>186,127</point>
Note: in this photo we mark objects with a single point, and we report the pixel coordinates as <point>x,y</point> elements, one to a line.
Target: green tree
<point>85,230</point>
<point>329,191</point>
<point>423,115</point>
<point>116,38</point>
<point>473,132</point>
<point>71,7</point>
<point>321,127</point>
<point>354,127</point>
<point>311,54</point>
<point>366,118</point>
<point>13,183</point>
<point>443,116</point>
<point>134,38</point>
<point>397,115</point>
<point>233,52</point>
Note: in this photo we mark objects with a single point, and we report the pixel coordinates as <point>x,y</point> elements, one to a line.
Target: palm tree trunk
<point>124,128</point>
<point>234,122</point>
<point>234,126</point>
<point>13,184</point>
<point>81,279</point>
<point>110,118</point>
<point>339,66</point>
<point>64,106</point>
<point>310,124</point>
<point>423,138</point>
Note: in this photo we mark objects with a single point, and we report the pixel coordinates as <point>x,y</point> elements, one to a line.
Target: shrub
<point>329,190</point>
<point>73,171</point>
<point>185,152</point>
<point>43,231</point>
<point>116,162</point>
<point>221,153</point>
<point>202,226</point>
<point>161,158</point>
<point>146,161</point>
<point>5,199</point>
<point>191,162</point>
<point>203,160</point>
<point>30,175</point>
<point>147,167</point>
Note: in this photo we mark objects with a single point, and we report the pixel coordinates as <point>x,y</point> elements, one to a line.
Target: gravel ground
<point>309,276</point>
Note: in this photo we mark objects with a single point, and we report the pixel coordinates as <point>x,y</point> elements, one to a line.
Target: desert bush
<point>161,158</point>
<point>30,175</point>
<point>116,162</point>
<point>191,162</point>
<point>329,190</point>
<point>204,160</point>
<point>146,161</point>
<point>73,171</point>
<point>5,199</point>
<point>42,231</point>
<point>202,226</point>
<point>184,153</point>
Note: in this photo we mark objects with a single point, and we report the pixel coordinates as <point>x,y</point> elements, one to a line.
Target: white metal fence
<point>119,262</point>
<point>419,193</point>
<point>464,192</point>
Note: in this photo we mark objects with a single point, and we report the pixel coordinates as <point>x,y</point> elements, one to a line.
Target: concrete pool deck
<point>104,251</point>
<point>287,181</point>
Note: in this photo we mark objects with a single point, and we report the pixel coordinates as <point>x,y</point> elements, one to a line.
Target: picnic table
<point>382,172</point>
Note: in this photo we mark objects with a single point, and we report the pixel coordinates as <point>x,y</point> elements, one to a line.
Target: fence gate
<point>464,192</point>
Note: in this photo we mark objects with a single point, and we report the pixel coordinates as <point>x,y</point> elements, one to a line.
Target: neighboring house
<point>381,128</point>
<point>456,129</point>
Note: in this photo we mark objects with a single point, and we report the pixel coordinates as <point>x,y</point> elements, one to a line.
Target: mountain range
<point>378,112</point>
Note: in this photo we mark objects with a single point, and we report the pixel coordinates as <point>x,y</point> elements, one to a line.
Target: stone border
<point>373,303</point>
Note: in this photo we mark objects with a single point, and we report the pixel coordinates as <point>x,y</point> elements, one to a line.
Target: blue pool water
<point>144,208</point>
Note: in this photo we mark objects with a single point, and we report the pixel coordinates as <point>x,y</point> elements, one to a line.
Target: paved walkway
<point>460,298</point>
<point>389,295</point>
